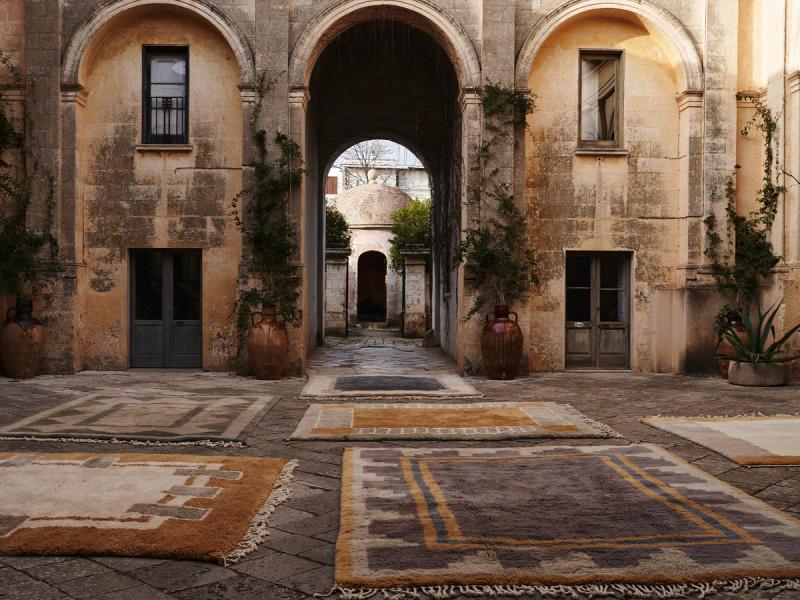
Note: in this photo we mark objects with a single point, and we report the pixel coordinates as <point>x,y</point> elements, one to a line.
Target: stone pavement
<point>296,560</point>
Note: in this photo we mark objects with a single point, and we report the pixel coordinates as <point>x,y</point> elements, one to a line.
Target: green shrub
<point>411,226</point>
<point>337,230</point>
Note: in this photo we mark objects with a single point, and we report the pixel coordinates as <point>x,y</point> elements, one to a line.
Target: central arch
<point>384,70</point>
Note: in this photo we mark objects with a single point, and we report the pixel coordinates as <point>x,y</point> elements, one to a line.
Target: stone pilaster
<point>336,286</point>
<point>415,293</point>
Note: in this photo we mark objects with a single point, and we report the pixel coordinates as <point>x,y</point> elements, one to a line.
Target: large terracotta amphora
<point>267,345</point>
<point>501,344</point>
<point>22,341</point>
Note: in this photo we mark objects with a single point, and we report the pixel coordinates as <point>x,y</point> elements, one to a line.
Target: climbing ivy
<point>753,255</point>
<point>268,232</point>
<point>29,260</point>
<point>495,247</point>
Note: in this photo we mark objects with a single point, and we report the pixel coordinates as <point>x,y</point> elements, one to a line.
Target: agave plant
<point>755,347</point>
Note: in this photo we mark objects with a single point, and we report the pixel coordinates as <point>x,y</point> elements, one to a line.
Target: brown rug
<point>212,508</point>
<point>758,440</point>
<point>552,521</point>
<point>433,421</point>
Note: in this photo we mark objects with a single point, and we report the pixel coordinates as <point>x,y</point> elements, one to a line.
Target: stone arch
<point>329,24</point>
<point>655,17</point>
<point>83,36</point>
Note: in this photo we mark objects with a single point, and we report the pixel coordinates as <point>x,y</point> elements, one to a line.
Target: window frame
<point>618,57</point>
<point>147,137</point>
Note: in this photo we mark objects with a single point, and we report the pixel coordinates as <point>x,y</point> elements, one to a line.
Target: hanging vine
<point>268,231</point>
<point>753,256</point>
<point>30,259</point>
<point>495,248</point>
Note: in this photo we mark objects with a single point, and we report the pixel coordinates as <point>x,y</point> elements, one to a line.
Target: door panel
<point>166,309</point>
<point>597,313</point>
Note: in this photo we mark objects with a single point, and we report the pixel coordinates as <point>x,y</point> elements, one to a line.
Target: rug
<point>419,421</point>
<point>558,520</point>
<point>747,440</point>
<point>140,505</point>
<point>430,385</point>
<point>150,417</point>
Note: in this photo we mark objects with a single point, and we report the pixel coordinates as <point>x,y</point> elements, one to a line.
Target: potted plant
<point>728,318</point>
<point>754,360</point>
<point>30,259</point>
<point>495,248</point>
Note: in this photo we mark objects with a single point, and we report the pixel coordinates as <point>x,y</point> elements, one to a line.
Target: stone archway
<point>83,36</point>
<point>409,86</point>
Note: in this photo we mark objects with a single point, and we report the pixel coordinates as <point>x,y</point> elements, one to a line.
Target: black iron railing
<point>166,120</point>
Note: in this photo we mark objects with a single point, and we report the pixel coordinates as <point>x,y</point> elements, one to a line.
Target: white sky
<point>401,156</point>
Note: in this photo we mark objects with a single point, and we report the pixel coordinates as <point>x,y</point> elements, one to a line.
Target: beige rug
<point>377,385</point>
<point>747,440</point>
<point>552,521</point>
<point>155,505</point>
<point>150,416</point>
<point>432,421</point>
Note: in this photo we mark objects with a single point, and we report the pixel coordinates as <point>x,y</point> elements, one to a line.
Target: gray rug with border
<point>146,418</point>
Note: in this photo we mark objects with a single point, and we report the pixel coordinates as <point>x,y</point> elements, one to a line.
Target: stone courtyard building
<point>140,114</point>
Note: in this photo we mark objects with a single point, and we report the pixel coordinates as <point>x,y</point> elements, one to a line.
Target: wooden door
<point>166,305</point>
<point>597,310</point>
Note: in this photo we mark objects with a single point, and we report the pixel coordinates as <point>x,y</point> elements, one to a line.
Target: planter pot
<point>22,342</point>
<point>501,344</point>
<point>267,345</point>
<point>758,374</point>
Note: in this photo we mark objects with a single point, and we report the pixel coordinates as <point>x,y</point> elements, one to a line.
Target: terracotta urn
<point>22,341</point>
<point>501,344</point>
<point>267,345</point>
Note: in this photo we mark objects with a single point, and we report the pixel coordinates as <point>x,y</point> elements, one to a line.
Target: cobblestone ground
<point>296,560</point>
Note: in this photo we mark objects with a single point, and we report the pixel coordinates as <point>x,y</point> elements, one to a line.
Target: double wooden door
<point>598,310</point>
<point>166,307</point>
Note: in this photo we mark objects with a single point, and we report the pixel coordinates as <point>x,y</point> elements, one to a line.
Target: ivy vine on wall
<point>495,247</point>
<point>29,260</point>
<point>753,256</point>
<point>268,232</point>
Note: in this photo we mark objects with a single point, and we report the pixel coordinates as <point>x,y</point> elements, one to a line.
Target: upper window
<point>166,95</point>
<point>600,121</point>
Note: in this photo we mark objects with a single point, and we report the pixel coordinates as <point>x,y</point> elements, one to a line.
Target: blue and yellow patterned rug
<point>566,520</point>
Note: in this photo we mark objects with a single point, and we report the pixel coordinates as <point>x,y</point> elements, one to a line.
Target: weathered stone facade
<point>683,62</point>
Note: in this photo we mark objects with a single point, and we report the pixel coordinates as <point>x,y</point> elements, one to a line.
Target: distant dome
<point>371,204</point>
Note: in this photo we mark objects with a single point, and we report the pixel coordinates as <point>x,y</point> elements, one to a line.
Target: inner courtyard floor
<point>296,560</point>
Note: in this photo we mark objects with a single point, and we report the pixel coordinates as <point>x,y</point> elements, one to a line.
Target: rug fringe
<point>607,430</point>
<point>257,531</point>
<point>752,414</point>
<point>577,592</point>
<point>204,443</point>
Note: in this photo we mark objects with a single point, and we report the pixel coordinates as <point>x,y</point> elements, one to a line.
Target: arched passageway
<point>385,77</point>
<point>372,287</point>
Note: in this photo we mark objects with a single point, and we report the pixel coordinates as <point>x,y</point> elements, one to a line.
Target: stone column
<point>415,317</point>
<point>336,283</point>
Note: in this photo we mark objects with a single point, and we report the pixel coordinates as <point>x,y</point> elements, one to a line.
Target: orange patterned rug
<point>157,505</point>
<point>464,421</point>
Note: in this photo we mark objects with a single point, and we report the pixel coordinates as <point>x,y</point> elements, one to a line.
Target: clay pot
<point>267,345</point>
<point>501,344</point>
<point>22,341</point>
<point>758,375</point>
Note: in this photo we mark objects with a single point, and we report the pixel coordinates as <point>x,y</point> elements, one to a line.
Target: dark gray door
<point>597,310</point>
<point>165,308</point>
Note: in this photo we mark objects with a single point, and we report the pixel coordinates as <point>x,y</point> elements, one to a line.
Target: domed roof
<point>371,204</point>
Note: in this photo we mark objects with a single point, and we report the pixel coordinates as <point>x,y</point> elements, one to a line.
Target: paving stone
<point>316,581</point>
<point>30,589</point>
<point>321,554</point>
<point>67,570</point>
<point>28,562</point>
<point>311,526</point>
<point>141,592</point>
<point>95,585</point>
<point>292,543</point>
<point>180,575</point>
<point>242,587</point>
<point>274,566</point>
<point>124,565</point>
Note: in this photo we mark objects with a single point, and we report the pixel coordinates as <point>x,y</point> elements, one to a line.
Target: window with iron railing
<point>165,79</point>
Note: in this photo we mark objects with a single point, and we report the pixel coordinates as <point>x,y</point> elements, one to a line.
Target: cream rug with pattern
<point>150,416</point>
<point>156,505</point>
<point>429,385</point>
<point>747,440</point>
<point>432,421</point>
